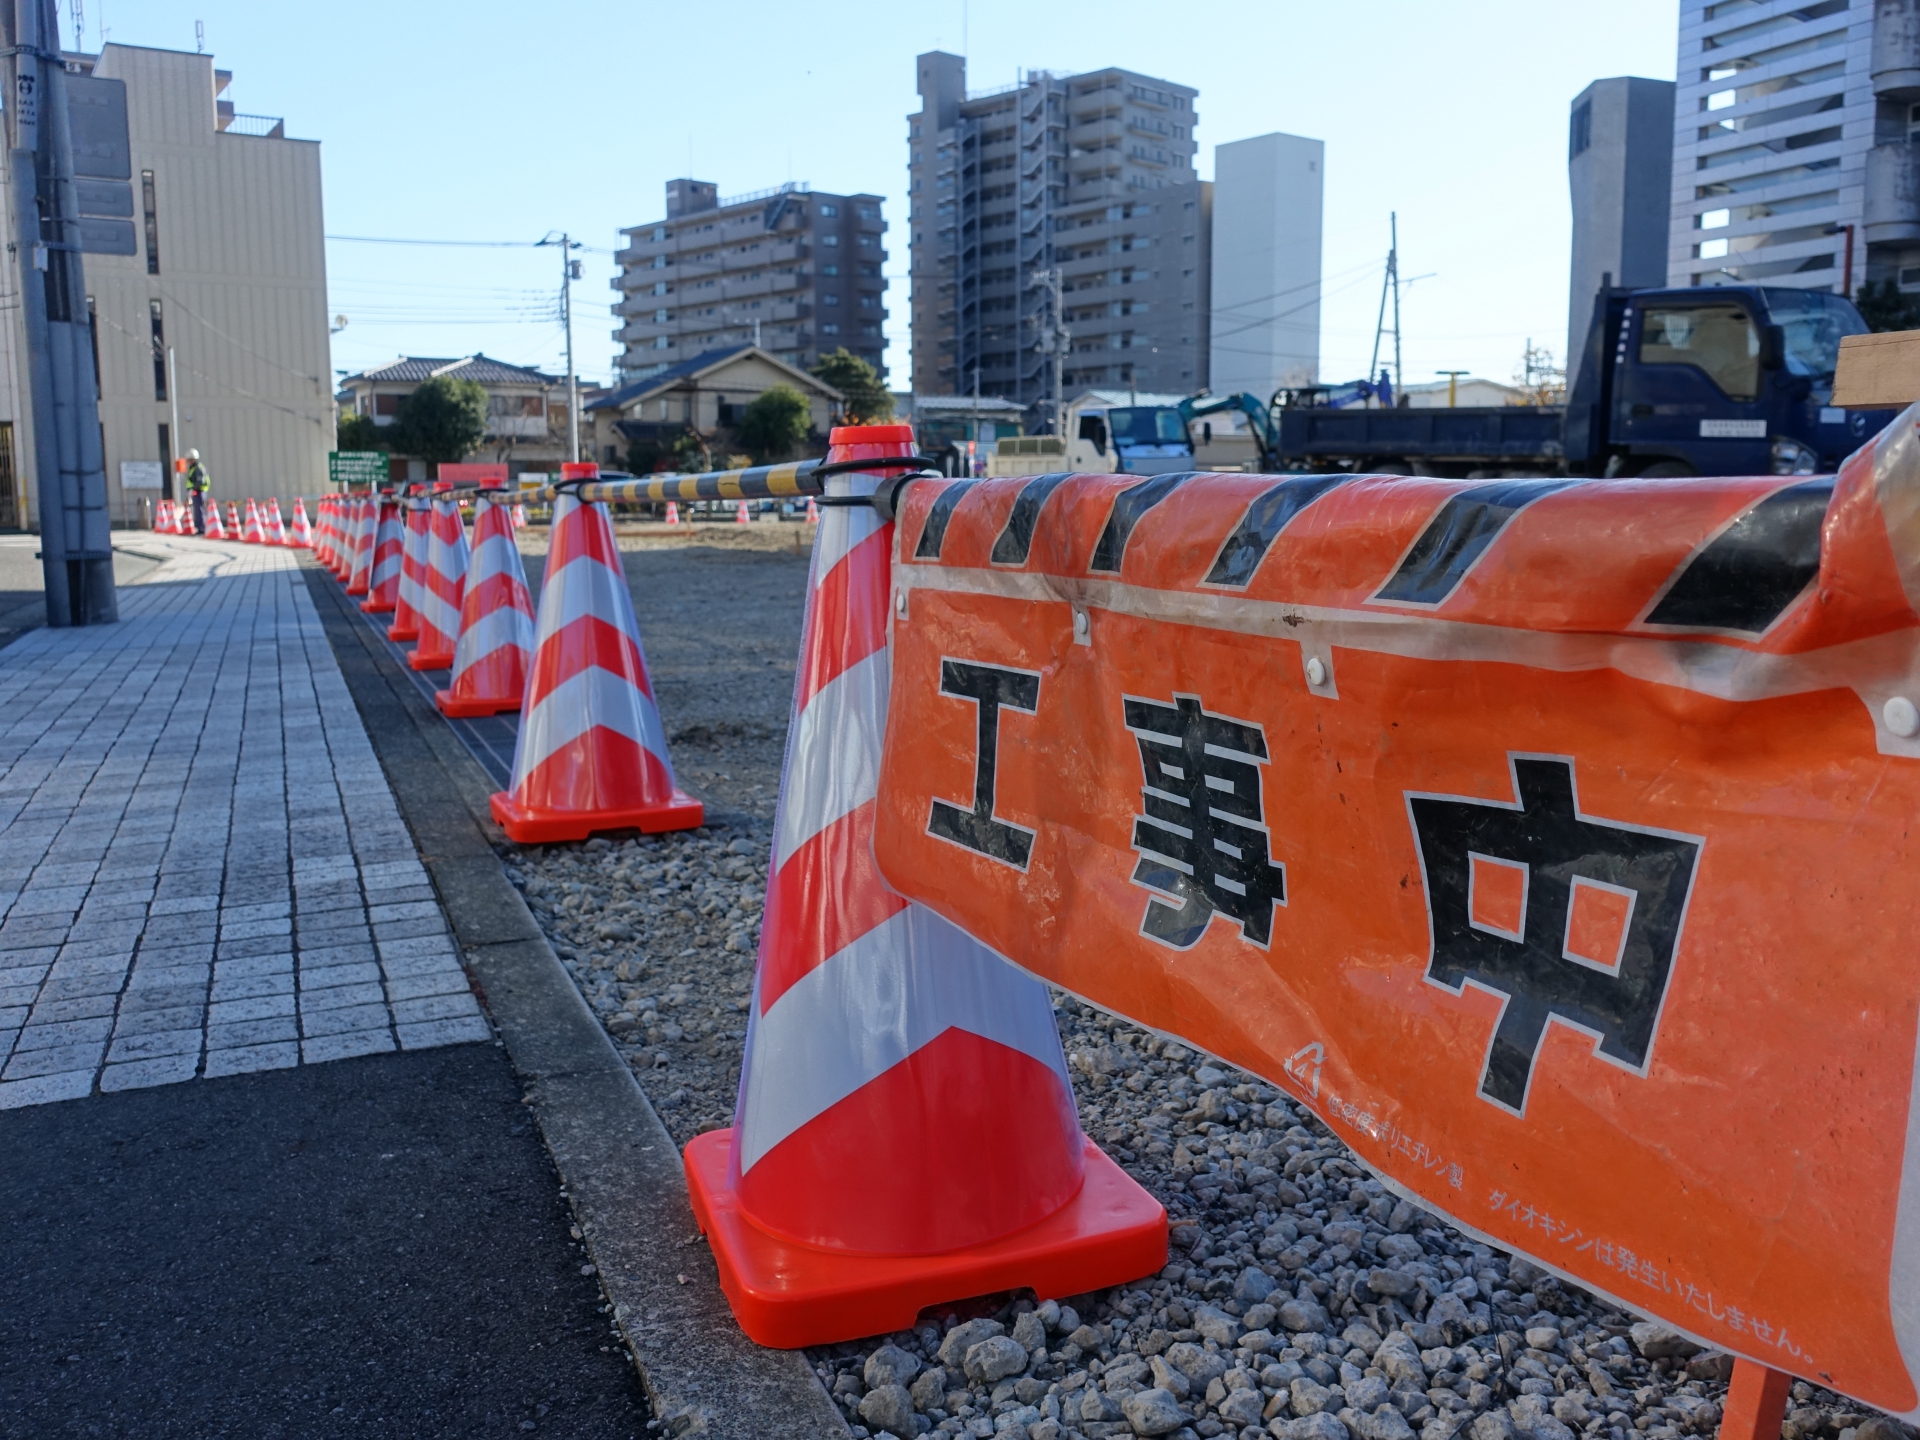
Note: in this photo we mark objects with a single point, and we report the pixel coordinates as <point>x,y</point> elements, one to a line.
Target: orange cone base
<point>377,607</point>
<point>427,660</point>
<point>527,826</point>
<point>395,633</point>
<point>786,1294</point>
<point>468,709</point>
<point>353,593</point>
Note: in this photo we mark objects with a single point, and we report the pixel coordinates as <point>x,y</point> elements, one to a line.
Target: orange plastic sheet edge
<point>1552,840</point>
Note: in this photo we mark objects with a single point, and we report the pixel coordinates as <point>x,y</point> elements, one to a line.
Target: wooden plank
<point>1878,371</point>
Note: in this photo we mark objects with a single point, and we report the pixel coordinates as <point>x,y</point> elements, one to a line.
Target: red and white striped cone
<point>163,517</point>
<point>235,529</point>
<point>302,535</point>
<point>272,524</point>
<point>591,753</point>
<point>813,512</point>
<point>673,513</point>
<point>255,533</point>
<point>740,516</point>
<point>519,517</point>
<point>494,656</point>
<point>322,518</point>
<point>905,1131</point>
<point>360,554</point>
<point>340,540</point>
<point>383,581</point>
<point>413,566</point>
<point>215,529</point>
<point>443,581</point>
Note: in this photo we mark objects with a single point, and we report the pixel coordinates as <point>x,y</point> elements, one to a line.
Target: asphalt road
<point>373,1247</point>
<point>22,598</point>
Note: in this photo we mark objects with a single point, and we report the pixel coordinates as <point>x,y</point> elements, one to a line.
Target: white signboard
<point>141,474</point>
<point>1733,429</point>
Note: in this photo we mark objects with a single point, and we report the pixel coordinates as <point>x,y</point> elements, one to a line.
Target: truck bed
<point>1496,434</point>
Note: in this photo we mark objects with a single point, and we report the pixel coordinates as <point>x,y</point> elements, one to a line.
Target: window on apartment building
<point>387,404</point>
<point>662,342</point>
<point>868,327</point>
<point>827,210</point>
<point>157,324</point>
<point>1713,219</point>
<point>830,327</point>
<point>866,242</point>
<point>1580,132</point>
<point>869,212</point>
<point>829,269</point>
<point>829,299</point>
<point>829,239</point>
<point>870,302</point>
<point>151,208</point>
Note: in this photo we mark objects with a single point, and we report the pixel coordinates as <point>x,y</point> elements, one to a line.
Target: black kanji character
<point>1202,844</point>
<point>990,687</point>
<point>1545,834</point>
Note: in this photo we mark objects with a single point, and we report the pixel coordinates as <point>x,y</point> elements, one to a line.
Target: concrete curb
<point>622,1172</point>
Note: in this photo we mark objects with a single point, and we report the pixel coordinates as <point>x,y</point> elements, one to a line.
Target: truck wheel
<point>1667,470</point>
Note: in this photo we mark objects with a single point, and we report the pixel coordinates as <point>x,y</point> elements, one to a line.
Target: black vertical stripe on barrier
<point>1458,535</point>
<point>934,533</point>
<point>1271,513</point>
<point>1748,574</point>
<point>1016,538</point>
<point>1128,506</point>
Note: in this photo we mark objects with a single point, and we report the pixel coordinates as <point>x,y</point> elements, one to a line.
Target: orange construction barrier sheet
<point>1554,840</point>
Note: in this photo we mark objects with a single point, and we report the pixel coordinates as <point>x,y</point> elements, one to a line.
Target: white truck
<point>1107,433</point>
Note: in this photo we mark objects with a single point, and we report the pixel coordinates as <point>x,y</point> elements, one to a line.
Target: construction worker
<point>197,483</point>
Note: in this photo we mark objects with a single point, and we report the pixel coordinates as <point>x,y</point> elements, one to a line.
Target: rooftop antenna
<point>79,26</point>
<point>199,37</point>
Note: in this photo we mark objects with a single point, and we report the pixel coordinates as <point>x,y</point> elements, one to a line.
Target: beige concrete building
<point>220,317</point>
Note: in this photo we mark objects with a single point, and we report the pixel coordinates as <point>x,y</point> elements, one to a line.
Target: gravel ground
<point>1302,1299</point>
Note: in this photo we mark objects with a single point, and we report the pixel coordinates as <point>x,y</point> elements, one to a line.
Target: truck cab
<point>1721,380</point>
<point>1107,433</point>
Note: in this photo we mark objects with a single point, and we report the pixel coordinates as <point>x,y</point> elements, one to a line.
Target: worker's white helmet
<point>193,454</point>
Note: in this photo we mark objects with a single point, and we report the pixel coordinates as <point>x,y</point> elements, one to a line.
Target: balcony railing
<point>266,127</point>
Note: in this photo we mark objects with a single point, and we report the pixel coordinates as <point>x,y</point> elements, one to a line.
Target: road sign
<point>353,468</point>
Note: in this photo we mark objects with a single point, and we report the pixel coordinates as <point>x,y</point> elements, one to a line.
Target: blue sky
<point>489,121</point>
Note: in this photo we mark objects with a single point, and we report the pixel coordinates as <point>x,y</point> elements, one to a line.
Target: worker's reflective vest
<point>197,477</point>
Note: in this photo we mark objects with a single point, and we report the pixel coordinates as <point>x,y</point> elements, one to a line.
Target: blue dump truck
<point>1728,380</point>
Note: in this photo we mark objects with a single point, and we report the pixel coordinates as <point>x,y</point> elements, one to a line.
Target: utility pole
<point>1054,341</point>
<point>76,538</point>
<point>1389,286</point>
<point>570,269</point>
<point>173,396</point>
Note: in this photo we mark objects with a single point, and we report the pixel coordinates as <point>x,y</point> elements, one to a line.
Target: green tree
<point>690,453</point>
<point>644,456</point>
<point>868,401</point>
<point>1883,307</point>
<point>358,432</point>
<point>774,425</point>
<point>445,419</point>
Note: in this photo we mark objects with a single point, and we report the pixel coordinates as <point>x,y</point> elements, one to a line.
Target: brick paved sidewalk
<point>202,870</point>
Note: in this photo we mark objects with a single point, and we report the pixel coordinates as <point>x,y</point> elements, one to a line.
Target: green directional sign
<point>357,469</point>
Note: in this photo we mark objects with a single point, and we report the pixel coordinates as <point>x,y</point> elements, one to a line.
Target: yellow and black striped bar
<point>760,482</point>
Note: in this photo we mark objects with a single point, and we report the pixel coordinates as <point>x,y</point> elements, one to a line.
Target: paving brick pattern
<point>202,870</point>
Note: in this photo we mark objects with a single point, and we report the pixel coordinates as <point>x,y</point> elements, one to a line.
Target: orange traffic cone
<point>673,513</point>
<point>272,524</point>
<point>413,566</point>
<point>383,581</point>
<point>443,580</point>
<point>813,512</point>
<point>360,554</point>
<point>880,1029</point>
<point>162,516</point>
<point>235,530</point>
<point>302,532</point>
<point>740,516</point>
<point>495,652</point>
<point>215,530</point>
<point>591,753</point>
<point>254,533</point>
<point>519,517</point>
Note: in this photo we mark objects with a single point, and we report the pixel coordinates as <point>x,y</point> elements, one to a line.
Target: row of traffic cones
<point>877,1028</point>
<point>262,526</point>
<point>740,516</point>
<point>592,754</point>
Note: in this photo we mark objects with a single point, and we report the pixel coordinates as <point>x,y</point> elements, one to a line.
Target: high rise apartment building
<point>1060,238</point>
<point>796,272</point>
<point>1795,130</point>
<point>1265,331</point>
